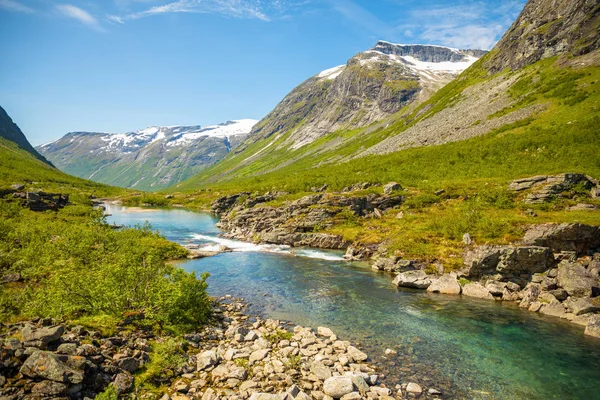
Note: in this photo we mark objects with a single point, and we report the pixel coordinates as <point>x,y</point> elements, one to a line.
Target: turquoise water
<point>467,348</point>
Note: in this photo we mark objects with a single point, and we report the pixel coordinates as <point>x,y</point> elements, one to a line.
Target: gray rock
<point>530,294</point>
<point>258,355</point>
<point>413,279</point>
<point>593,326</point>
<point>391,187</point>
<point>414,388</point>
<point>564,237</point>
<point>476,289</point>
<point>495,288</point>
<point>338,386</point>
<point>555,309</point>
<point>584,305</point>
<point>320,370</point>
<point>356,354</point>
<point>41,337</point>
<point>324,331</point>
<point>507,260</point>
<point>67,348</point>
<point>207,359</point>
<point>575,279</point>
<point>361,384</point>
<point>467,239</point>
<point>128,364</point>
<point>123,383</point>
<point>351,396</point>
<point>446,284</point>
<point>45,365</point>
<point>49,389</point>
<point>11,278</point>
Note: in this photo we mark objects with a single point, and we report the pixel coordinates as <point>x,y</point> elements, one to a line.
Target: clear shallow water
<point>465,347</point>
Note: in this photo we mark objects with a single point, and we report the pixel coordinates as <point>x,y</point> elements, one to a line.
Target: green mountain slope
<point>492,122</point>
<point>11,132</point>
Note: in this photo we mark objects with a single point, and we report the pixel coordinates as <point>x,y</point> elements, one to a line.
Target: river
<point>467,348</point>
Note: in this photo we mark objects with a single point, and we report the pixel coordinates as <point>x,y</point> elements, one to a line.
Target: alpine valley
<point>437,208</point>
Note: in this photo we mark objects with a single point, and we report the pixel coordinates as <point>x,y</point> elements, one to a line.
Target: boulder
<point>338,386</point>
<point>446,284</point>
<point>564,237</point>
<point>45,365</point>
<point>49,389</point>
<point>576,280</point>
<point>320,370</point>
<point>476,289</point>
<point>413,279</point>
<point>495,288</point>
<point>356,354</point>
<point>584,305</point>
<point>554,308</point>
<point>529,295</point>
<point>593,326</point>
<point>391,187</point>
<point>123,383</point>
<point>414,388</point>
<point>206,359</point>
<point>41,337</point>
<point>258,355</point>
<point>128,364</point>
<point>507,260</point>
<point>324,331</point>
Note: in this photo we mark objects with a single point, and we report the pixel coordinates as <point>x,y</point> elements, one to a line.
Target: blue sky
<point>122,65</point>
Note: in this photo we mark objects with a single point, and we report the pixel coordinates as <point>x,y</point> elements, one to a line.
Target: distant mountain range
<point>148,159</point>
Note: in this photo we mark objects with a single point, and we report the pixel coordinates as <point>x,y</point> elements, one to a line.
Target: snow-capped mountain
<point>371,86</point>
<point>148,159</point>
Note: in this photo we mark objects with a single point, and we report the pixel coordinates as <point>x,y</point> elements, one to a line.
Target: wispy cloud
<point>464,24</point>
<point>250,9</point>
<point>361,16</point>
<point>80,15</point>
<point>12,5</point>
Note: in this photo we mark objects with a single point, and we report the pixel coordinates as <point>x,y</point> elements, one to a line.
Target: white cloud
<point>466,37</point>
<point>12,5</point>
<point>80,15</point>
<point>472,24</point>
<point>251,9</point>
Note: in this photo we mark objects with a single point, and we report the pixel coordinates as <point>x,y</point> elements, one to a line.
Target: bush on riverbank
<point>71,264</point>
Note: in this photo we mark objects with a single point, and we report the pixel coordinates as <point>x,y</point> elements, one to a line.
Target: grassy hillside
<point>69,264</point>
<point>17,166</point>
<point>564,137</point>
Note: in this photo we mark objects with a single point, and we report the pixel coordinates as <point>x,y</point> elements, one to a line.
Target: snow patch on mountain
<point>332,73</point>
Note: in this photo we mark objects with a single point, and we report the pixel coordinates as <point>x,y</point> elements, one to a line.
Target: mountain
<point>535,95</point>
<point>20,165</point>
<point>148,159</point>
<point>11,132</point>
<point>372,86</point>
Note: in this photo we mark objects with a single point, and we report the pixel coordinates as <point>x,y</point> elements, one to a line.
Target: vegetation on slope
<point>71,264</point>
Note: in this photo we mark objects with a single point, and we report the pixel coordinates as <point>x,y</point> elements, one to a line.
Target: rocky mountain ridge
<point>371,86</point>
<point>151,158</point>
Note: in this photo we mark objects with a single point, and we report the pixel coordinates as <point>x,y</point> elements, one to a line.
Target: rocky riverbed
<point>235,357</point>
<point>554,270</point>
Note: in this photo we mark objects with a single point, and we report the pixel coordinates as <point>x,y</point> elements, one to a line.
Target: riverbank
<point>549,268</point>
<point>236,356</point>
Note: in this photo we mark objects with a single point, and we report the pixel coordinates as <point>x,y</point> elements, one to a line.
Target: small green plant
<point>165,358</point>
<point>241,362</point>
<point>109,394</point>
<point>293,362</point>
<point>278,336</point>
<point>463,281</point>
